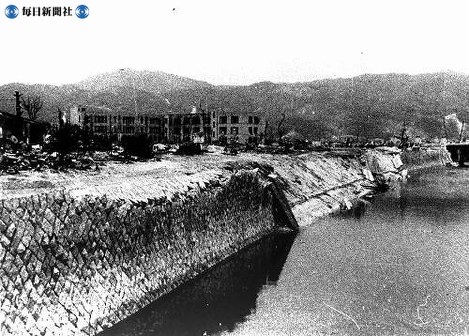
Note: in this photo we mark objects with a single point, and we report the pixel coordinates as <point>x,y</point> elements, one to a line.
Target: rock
<point>11,230</point>
<point>21,248</point>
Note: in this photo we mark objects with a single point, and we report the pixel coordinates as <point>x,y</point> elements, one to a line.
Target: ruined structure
<point>15,127</point>
<point>199,125</point>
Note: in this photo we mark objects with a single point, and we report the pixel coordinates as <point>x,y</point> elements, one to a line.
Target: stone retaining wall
<point>75,265</point>
<point>79,257</point>
<point>317,184</point>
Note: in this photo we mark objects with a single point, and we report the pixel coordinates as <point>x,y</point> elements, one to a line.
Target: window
<point>256,120</point>
<point>196,120</point>
<point>223,119</point>
<point>195,129</point>
<point>234,119</point>
<point>255,130</point>
<point>222,130</point>
<point>141,119</point>
<point>250,130</point>
<point>128,120</point>
<point>154,121</point>
<point>129,129</point>
<point>154,130</point>
<point>115,119</point>
<point>250,120</point>
<point>234,130</point>
<point>100,119</point>
<point>100,129</point>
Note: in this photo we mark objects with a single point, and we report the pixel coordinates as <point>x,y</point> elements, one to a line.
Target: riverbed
<point>398,265</point>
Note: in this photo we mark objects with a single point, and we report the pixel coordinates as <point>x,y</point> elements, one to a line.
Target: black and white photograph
<point>234,168</point>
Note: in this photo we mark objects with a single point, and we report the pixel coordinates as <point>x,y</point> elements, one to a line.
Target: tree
<point>32,104</point>
<point>281,131</point>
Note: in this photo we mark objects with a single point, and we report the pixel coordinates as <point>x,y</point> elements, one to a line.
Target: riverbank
<point>82,251</point>
<point>426,157</point>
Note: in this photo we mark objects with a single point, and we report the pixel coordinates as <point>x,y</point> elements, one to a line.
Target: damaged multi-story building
<point>198,125</point>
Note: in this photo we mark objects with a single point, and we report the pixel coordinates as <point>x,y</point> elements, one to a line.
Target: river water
<point>396,266</point>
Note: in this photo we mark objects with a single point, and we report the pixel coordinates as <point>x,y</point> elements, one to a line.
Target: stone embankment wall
<point>75,264</point>
<point>80,253</point>
<point>318,184</point>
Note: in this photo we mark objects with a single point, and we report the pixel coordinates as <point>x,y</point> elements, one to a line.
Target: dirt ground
<point>172,169</point>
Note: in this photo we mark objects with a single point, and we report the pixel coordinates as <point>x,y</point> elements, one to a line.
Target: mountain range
<point>364,106</point>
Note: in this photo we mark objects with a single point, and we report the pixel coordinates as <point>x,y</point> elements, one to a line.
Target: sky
<point>236,41</point>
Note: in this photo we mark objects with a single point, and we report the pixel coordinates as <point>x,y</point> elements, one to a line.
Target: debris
<point>12,162</point>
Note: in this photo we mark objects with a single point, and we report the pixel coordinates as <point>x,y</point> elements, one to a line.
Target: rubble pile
<point>427,157</point>
<point>14,162</point>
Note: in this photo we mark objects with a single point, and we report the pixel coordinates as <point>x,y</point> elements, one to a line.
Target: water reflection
<point>217,300</point>
<point>357,211</point>
<point>399,268</point>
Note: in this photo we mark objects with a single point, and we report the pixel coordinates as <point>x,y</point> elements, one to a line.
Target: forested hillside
<point>366,106</point>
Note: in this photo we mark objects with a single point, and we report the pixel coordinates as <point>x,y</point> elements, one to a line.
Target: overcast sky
<point>236,41</point>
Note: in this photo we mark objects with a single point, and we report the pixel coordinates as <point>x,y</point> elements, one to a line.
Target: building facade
<point>196,126</point>
<point>234,127</point>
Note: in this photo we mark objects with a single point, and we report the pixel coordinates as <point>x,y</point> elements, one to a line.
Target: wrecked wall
<point>318,184</point>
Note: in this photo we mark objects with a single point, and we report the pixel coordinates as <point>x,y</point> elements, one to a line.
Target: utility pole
<point>17,103</point>
<point>462,130</point>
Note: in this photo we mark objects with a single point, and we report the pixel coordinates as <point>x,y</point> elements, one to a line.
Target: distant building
<point>236,127</point>
<point>196,126</point>
<point>73,115</point>
<point>186,127</point>
<point>16,128</point>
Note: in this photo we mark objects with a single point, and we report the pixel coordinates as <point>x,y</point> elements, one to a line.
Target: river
<point>398,265</point>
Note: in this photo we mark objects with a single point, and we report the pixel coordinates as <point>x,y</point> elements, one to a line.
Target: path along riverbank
<point>81,251</point>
